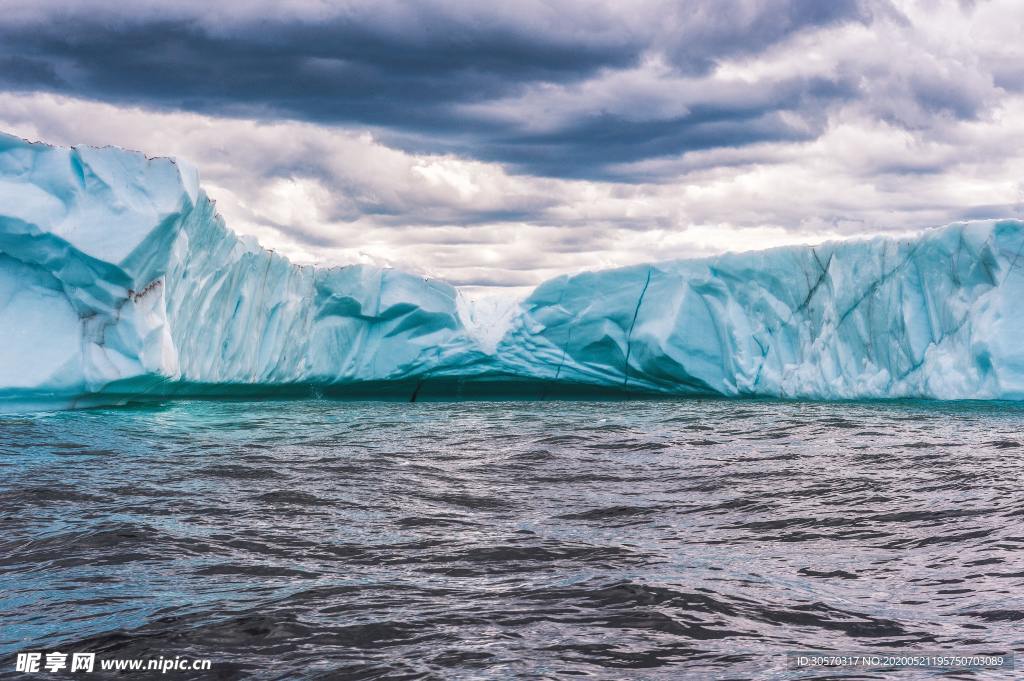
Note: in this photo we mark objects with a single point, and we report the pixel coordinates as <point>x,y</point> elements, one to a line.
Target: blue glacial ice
<point>118,281</point>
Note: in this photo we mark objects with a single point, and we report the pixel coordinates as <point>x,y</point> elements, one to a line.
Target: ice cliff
<point>118,280</point>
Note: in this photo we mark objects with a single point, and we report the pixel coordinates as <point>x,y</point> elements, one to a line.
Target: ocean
<point>699,538</point>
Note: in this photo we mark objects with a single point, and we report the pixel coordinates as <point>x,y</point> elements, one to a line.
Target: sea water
<point>651,539</point>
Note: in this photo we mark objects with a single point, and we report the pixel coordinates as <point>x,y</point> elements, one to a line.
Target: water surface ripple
<point>645,539</point>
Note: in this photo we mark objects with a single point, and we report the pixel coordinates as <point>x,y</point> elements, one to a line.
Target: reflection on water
<point>293,539</point>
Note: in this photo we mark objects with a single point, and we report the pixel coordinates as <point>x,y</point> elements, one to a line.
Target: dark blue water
<point>663,539</point>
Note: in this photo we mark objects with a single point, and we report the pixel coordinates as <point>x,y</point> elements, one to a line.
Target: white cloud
<point>897,157</point>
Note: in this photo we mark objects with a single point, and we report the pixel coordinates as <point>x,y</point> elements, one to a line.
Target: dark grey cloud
<point>595,145</point>
<point>18,72</point>
<point>413,71</point>
<point>702,33</point>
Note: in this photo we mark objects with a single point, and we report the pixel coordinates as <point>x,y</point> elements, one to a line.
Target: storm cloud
<point>500,144</point>
<point>418,69</point>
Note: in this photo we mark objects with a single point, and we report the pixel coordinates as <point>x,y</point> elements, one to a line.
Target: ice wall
<point>118,279</point>
<point>936,316</point>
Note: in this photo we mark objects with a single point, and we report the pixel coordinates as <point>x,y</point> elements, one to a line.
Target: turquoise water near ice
<point>647,539</point>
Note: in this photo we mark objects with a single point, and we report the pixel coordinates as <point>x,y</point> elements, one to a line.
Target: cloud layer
<point>496,146</point>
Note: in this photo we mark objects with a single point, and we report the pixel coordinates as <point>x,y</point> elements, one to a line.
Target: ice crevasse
<point>119,281</point>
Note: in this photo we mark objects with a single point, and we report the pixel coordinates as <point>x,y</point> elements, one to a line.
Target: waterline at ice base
<point>119,282</point>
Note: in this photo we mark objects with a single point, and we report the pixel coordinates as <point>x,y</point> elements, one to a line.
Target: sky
<point>498,144</point>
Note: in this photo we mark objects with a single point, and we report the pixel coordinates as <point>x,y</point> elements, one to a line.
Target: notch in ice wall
<point>117,278</point>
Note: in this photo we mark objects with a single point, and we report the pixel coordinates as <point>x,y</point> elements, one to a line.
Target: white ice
<point>118,278</point>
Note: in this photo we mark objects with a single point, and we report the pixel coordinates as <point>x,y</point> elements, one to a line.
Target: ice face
<point>935,316</point>
<point>118,280</point>
<point>117,276</point>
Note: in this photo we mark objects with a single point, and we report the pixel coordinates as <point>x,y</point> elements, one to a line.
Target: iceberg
<point>936,316</point>
<point>119,281</point>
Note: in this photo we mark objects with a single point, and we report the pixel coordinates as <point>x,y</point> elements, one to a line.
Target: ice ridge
<point>118,281</point>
